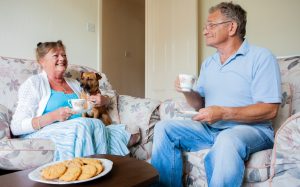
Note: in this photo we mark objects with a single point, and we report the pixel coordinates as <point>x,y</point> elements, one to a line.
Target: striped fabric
<point>83,137</point>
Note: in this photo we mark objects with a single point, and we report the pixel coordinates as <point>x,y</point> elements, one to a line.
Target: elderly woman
<point>43,111</point>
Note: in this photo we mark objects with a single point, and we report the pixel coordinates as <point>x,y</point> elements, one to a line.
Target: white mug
<point>77,104</point>
<point>186,82</point>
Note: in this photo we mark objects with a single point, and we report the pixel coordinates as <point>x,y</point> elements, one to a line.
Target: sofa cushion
<point>194,171</point>
<point>113,108</point>
<point>285,109</point>
<point>13,73</point>
<point>258,166</point>
<point>20,154</point>
<point>290,73</point>
<point>4,123</point>
<point>143,150</point>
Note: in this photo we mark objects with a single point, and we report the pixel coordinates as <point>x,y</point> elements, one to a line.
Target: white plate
<point>187,113</point>
<point>35,175</point>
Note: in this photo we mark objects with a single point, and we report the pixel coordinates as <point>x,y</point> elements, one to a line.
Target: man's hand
<point>247,114</point>
<point>177,84</point>
<point>210,114</point>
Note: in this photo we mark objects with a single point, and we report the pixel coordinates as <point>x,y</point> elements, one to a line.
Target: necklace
<point>60,86</point>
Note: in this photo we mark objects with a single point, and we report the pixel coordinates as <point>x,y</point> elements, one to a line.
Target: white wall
<point>273,24</point>
<point>25,23</point>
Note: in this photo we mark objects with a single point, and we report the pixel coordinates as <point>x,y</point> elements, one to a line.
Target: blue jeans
<point>229,148</point>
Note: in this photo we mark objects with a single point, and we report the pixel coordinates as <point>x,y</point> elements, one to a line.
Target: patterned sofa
<point>279,166</point>
<point>138,114</point>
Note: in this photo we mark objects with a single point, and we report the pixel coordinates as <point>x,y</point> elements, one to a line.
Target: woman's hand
<point>98,100</point>
<point>63,114</point>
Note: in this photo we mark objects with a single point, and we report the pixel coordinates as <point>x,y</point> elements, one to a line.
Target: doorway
<point>123,45</point>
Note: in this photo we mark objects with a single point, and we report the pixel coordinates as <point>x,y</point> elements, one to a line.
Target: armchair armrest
<point>286,151</point>
<point>20,154</point>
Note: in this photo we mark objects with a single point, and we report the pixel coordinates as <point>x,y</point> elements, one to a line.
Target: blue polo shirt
<point>249,76</point>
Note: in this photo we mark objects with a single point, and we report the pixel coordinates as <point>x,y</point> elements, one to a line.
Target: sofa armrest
<point>4,123</point>
<point>286,150</point>
<point>20,154</point>
<point>137,112</point>
<point>141,113</point>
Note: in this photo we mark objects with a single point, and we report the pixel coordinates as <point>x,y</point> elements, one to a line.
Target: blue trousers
<point>229,148</point>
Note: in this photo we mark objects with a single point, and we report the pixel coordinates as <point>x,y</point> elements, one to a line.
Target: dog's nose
<point>87,87</point>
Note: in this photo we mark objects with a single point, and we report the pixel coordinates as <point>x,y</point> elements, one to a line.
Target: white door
<point>171,45</point>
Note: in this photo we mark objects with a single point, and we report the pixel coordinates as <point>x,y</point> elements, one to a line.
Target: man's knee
<point>227,142</point>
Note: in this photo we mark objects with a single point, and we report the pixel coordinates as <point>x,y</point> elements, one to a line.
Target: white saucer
<point>186,89</point>
<point>82,111</point>
<point>187,113</point>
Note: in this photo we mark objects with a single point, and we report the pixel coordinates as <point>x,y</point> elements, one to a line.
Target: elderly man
<point>237,94</point>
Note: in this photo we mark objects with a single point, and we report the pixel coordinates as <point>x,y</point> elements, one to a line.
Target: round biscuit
<point>88,171</point>
<point>90,160</point>
<point>53,171</point>
<point>71,174</point>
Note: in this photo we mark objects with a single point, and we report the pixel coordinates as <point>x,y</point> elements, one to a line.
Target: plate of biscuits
<point>72,171</point>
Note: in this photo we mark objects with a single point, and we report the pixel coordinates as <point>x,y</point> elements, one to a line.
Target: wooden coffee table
<point>126,171</point>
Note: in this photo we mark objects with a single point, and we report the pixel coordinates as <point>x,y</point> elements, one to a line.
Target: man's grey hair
<point>233,12</point>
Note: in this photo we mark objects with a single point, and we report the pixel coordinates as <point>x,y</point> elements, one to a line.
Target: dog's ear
<point>81,74</point>
<point>98,76</point>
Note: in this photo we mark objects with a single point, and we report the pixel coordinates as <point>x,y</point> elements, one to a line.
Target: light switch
<point>90,27</point>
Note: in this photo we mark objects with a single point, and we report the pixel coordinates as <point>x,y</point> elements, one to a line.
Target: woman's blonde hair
<point>44,47</point>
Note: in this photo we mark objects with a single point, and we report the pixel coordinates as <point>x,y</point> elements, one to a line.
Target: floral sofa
<point>279,166</point>
<point>138,114</point>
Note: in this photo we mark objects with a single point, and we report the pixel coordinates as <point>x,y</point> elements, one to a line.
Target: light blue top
<point>249,76</point>
<point>60,99</point>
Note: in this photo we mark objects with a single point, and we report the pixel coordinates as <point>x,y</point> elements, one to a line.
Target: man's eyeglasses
<point>210,26</point>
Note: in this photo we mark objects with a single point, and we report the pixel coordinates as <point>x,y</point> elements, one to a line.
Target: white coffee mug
<point>186,82</point>
<point>77,104</point>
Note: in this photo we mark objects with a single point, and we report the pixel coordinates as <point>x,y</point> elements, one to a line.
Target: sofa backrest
<point>14,71</point>
<point>290,74</point>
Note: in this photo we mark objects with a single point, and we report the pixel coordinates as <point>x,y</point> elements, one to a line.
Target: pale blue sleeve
<point>266,83</point>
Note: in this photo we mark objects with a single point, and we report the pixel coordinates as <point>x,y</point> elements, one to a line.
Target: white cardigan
<point>33,97</point>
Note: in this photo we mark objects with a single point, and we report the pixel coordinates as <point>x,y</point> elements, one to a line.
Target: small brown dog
<point>89,83</point>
